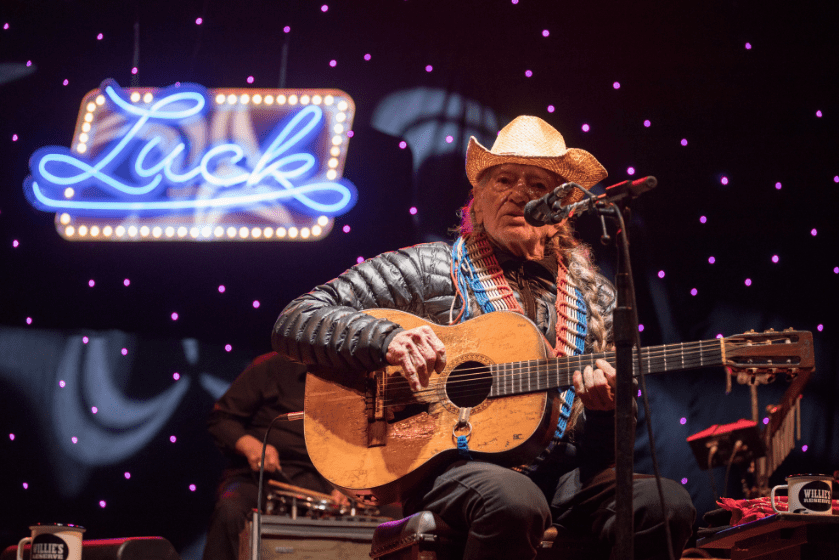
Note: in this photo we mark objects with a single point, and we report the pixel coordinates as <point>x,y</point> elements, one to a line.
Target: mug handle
<point>773,498</point>
<point>22,542</point>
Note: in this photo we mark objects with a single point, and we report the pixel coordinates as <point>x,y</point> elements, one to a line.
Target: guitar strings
<point>463,383</point>
<point>574,362</point>
<point>473,381</point>
<point>657,356</point>
<point>704,353</point>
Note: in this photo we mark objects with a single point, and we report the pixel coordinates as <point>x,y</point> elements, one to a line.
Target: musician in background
<point>500,262</point>
<point>270,386</point>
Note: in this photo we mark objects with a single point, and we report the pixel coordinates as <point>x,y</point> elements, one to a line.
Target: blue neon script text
<point>132,174</point>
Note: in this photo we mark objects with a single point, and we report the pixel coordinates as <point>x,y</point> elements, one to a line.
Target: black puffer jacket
<point>327,326</point>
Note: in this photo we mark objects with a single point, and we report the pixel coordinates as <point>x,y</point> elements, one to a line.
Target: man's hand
<point>418,352</point>
<point>251,448</point>
<point>596,387</point>
<point>340,499</point>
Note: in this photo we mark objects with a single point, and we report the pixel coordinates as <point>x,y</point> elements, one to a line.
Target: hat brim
<point>574,165</point>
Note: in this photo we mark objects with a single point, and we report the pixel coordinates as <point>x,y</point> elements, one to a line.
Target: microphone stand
<point>613,203</point>
<point>625,332</point>
<point>256,529</point>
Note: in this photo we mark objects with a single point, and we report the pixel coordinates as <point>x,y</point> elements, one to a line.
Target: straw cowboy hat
<point>532,141</point>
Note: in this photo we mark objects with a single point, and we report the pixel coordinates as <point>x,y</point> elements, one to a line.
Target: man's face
<point>499,205</point>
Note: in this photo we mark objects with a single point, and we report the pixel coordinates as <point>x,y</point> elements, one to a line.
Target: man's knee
<point>231,513</point>
<point>681,512</point>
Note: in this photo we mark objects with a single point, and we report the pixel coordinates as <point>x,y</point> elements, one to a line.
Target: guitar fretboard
<point>536,375</point>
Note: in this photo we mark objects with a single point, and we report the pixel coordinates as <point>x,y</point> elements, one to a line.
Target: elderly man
<point>499,262</point>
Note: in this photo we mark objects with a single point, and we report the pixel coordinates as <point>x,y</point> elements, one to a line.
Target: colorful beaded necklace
<point>475,269</point>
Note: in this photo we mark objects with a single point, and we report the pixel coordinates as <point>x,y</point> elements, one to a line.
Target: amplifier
<point>284,538</point>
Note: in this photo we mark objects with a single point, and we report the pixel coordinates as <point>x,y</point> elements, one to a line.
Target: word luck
<point>177,153</point>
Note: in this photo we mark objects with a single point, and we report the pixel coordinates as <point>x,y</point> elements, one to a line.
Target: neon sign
<point>188,163</point>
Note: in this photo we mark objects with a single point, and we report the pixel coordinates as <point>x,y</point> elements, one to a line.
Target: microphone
<point>547,209</point>
<point>538,212</point>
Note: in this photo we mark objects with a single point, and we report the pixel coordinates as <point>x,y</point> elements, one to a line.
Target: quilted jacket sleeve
<point>328,326</point>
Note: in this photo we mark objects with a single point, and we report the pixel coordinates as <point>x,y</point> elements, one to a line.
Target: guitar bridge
<point>377,419</point>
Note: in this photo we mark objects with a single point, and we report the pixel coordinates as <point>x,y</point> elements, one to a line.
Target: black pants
<point>504,513</point>
<point>237,498</point>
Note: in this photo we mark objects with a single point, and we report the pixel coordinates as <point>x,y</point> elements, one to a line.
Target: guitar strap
<point>475,270</point>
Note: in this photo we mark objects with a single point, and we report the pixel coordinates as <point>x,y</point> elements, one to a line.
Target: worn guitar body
<point>374,438</point>
<point>356,447</point>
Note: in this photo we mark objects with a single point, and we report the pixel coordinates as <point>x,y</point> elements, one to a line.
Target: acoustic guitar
<point>374,438</point>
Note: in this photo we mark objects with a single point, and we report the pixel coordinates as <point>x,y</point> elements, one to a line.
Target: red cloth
<point>744,511</point>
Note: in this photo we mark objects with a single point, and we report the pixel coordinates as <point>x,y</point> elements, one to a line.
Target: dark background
<point>750,115</point>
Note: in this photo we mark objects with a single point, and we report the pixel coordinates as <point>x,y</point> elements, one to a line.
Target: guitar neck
<point>540,375</point>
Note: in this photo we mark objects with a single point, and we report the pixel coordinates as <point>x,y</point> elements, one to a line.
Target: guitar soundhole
<point>469,384</point>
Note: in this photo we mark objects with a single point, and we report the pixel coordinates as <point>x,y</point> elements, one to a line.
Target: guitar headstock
<point>769,352</point>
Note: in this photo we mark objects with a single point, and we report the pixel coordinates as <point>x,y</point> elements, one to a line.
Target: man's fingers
<point>410,373</point>
<point>417,351</point>
<point>593,385</point>
<point>608,370</point>
<point>440,353</point>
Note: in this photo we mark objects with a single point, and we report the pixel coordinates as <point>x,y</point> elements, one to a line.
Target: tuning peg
<point>770,330</point>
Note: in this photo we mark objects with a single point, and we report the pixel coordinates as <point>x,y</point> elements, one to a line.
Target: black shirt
<point>270,386</point>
